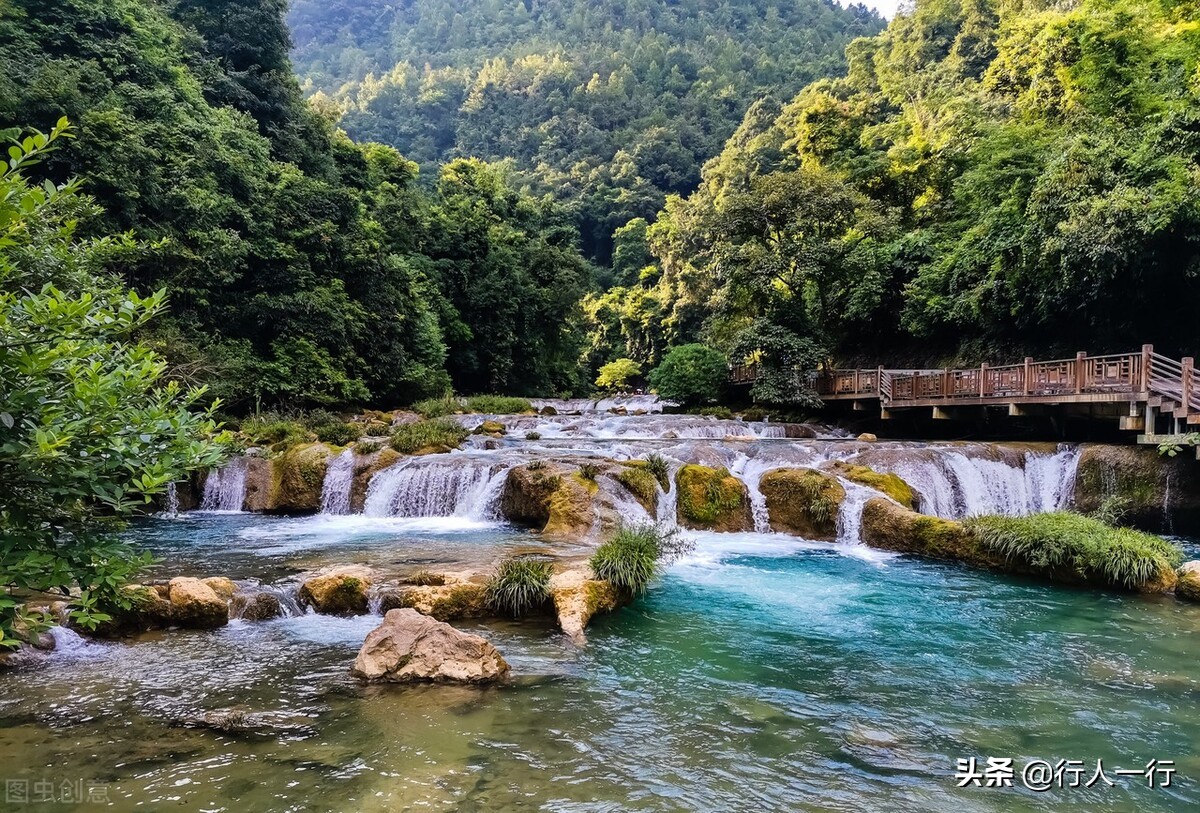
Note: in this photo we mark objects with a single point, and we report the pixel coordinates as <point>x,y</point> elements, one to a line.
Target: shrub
<point>1093,550</point>
<point>533,436</point>
<point>657,465</point>
<point>338,434</point>
<point>755,415</point>
<point>498,405</point>
<point>724,413</point>
<point>519,585</point>
<point>448,404</point>
<point>440,433</point>
<point>690,374</point>
<point>617,375</point>
<point>589,471</point>
<point>272,429</point>
<point>635,555</point>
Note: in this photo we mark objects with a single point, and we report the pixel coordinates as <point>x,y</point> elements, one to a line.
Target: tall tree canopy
<point>608,104</point>
<point>991,177</point>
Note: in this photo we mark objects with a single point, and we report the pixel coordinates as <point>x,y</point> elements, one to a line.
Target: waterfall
<point>225,488</point>
<point>668,502</point>
<point>339,476</point>
<point>750,472</point>
<point>438,486</point>
<point>849,522</point>
<point>171,504</point>
<point>956,485</point>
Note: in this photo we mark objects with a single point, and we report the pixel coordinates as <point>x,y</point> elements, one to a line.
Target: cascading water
<point>225,488</point>
<point>956,485</point>
<point>668,501</point>
<point>436,486</point>
<point>339,477</point>
<point>171,506</point>
<point>750,472</point>
<point>849,523</point>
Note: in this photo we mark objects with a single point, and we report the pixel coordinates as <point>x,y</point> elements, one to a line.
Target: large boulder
<point>195,605</point>
<point>365,468</point>
<point>639,482</point>
<point>340,591</point>
<point>553,498</point>
<point>890,484</point>
<point>449,601</point>
<point>577,598</point>
<point>712,499</point>
<point>1188,586</point>
<point>298,478</point>
<point>411,647</point>
<point>803,502</point>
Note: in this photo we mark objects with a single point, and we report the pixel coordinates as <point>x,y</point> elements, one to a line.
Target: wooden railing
<point>1140,376</point>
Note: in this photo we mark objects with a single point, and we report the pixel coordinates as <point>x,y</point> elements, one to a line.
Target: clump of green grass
<point>1063,541</point>
<point>368,446</point>
<point>447,404</point>
<point>723,413</point>
<point>440,433</point>
<point>338,433</point>
<point>520,584</point>
<point>636,554</point>
<point>498,405</point>
<point>533,436</point>
<point>589,471</point>
<point>657,465</point>
<point>274,429</point>
<point>536,465</point>
<point>425,578</point>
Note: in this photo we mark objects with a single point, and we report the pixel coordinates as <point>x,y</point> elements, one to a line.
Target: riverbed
<point>762,673</point>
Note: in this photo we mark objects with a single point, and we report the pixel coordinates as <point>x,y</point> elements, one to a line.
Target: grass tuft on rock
<point>498,405</point>
<point>1072,542</point>
<point>440,434</point>
<point>635,555</point>
<point>657,465</point>
<point>448,404</point>
<point>521,584</point>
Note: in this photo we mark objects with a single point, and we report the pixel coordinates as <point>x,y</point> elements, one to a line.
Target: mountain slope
<point>607,104</point>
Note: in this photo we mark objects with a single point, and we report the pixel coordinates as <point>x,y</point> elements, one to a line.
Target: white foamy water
<point>849,523</point>
<point>437,486</point>
<point>955,485</point>
<point>225,488</point>
<point>750,472</point>
<point>339,477</point>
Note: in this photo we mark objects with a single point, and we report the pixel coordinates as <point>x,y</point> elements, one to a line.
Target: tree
<point>785,363</point>
<point>690,374</point>
<point>616,375</point>
<point>90,429</point>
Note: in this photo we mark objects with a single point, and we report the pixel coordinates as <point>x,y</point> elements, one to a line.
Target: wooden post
<point>945,383</point>
<point>1185,389</point>
<point>1080,368</point>
<point>857,383</point>
<point>1029,375</point>
<point>1147,365</point>
<point>879,384</point>
<point>983,380</point>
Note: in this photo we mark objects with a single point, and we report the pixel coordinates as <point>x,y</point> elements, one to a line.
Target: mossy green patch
<point>890,484</point>
<point>803,502</point>
<point>641,484</point>
<point>712,498</point>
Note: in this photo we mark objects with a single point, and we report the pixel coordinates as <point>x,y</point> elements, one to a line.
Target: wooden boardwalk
<point>1151,394</point>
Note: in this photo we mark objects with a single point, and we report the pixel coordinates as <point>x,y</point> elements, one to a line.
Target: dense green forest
<point>609,105</point>
<point>301,268</point>
<point>990,177</point>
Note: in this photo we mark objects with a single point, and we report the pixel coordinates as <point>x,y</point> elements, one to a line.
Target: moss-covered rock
<point>643,485</point>
<point>552,498</point>
<point>298,476</point>
<point>803,502</point>
<point>445,602</point>
<point>712,499</point>
<point>340,591</point>
<point>1144,488</point>
<point>1188,585</point>
<point>493,428</point>
<point>890,484</point>
<point>888,526</point>
<point>578,598</point>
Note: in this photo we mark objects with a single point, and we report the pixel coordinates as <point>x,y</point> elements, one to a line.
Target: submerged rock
<point>341,591</point>
<point>410,647</point>
<point>243,721</point>
<point>712,499</point>
<point>803,502</point>
<point>577,598</point>
<point>195,605</point>
<point>1188,586</point>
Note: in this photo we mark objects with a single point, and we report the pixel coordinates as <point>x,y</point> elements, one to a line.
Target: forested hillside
<point>301,268</point>
<point>607,104</point>
<point>991,177</point>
